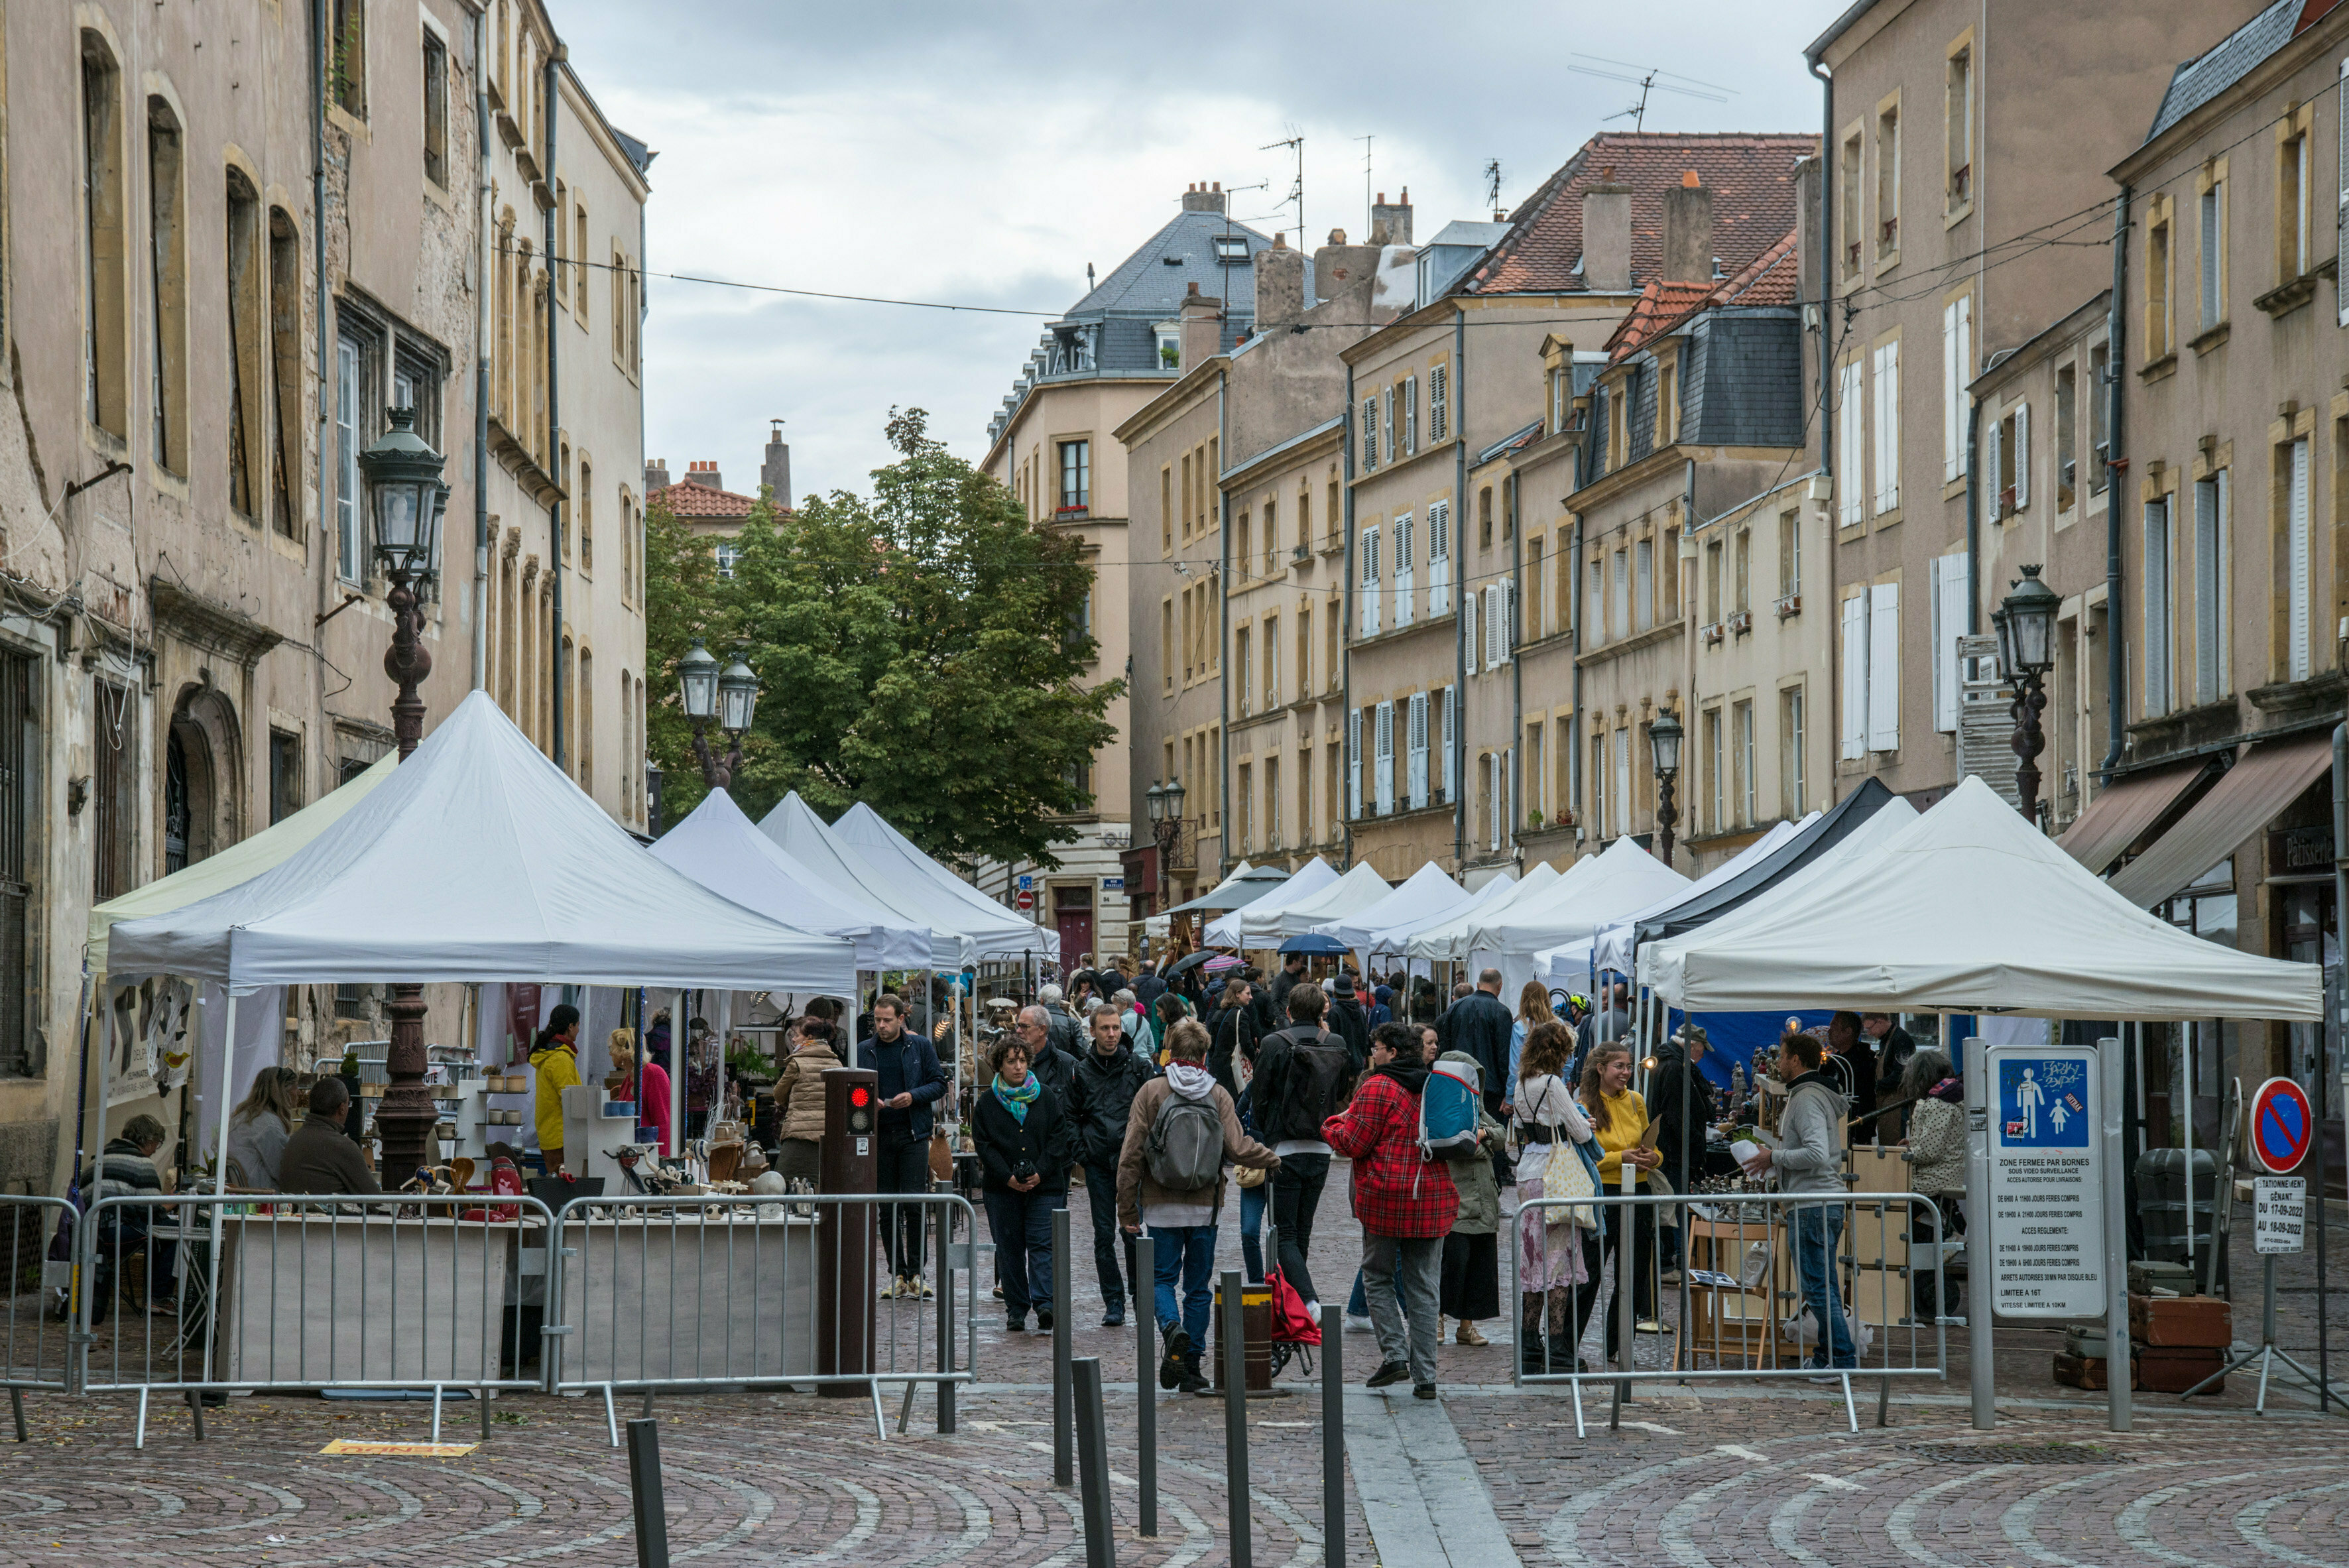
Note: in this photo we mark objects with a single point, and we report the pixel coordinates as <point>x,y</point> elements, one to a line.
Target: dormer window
<point>1170,345</point>
<point>1232,250</point>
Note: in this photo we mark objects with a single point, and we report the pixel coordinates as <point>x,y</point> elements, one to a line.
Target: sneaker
<point>1114,1318</point>
<point>1172,1365</point>
<point>1423,1391</point>
<point>1015,1325</point>
<point>1357,1325</point>
<point>890,1292</point>
<point>918,1287</point>
<point>1044,1323</point>
<point>1671,1279</point>
<point>1392,1372</point>
<point>1647,1325</point>
<point>1468,1334</point>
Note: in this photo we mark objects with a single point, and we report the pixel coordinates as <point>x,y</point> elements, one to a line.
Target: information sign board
<point>2279,1214</point>
<point>2046,1197</point>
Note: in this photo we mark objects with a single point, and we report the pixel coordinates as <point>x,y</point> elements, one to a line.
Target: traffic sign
<point>2281,1124</point>
<point>1027,899</point>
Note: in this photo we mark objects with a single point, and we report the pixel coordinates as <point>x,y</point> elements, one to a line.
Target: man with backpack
<point>1349,1020</point>
<point>1304,1076</point>
<point>1101,1102</point>
<point>1170,1177</point>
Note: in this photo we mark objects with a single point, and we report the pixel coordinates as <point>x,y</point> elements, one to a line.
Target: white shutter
<point>1853,723</point>
<point>1368,592</point>
<point>2021,456</point>
<point>1953,424</point>
<point>1492,794</point>
<point>1439,556</point>
<point>1620,818</point>
<point>1594,614</point>
<point>1439,403</point>
<point>1410,415</point>
<point>1599,785</point>
<point>2209,574</point>
<point>1406,562</point>
<point>1991,483</point>
<point>1370,432</point>
<point>1884,668</point>
<point>2296,520</point>
<point>1887,428</point>
<point>1354,763</point>
<point>1383,757</point>
<point>1949,627</point>
<point>1416,773</point>
<point>1509,818</point>
<point>1387,426</point>
<point>1450,739</point>
<point>1508,617</point>
<point>1619,614</point>
<point>1468,631</point>
<point>1854,469</point>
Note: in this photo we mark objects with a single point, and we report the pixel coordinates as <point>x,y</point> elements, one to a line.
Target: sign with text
<point>2279,1214</point>
<point>2046,1197</point>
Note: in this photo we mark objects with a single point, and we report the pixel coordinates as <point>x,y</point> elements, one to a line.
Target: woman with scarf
<point>1937,1170</point>
<point>1549,1240</point>
<point>1025,1145</point>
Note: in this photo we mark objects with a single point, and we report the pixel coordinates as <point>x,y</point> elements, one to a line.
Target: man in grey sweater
<point>1809,1159</point>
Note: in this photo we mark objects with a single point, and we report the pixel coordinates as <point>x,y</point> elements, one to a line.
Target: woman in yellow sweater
<point>1618,1117</point>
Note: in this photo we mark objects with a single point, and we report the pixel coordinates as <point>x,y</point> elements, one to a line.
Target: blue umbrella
<point>1314,945</point>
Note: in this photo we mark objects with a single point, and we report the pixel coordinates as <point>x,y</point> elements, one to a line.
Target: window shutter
<point>1383,781</point>
<point>1509,818</point>
<point>1949,627</point>
<point>1416,775</point>
<point>1852,475</point>
<point>1884,668</point>
<point>2021,456</point>
<point>1369,459</point>
<point>2297,521</point>
<point>1468,631</point>
<point>1853,727</point>
<point>1992,479</point>
<point>1439,409</point>
<point>1369,590</point>
<point>2207,577</point>
<point>1439,557</point>
<point>1451,738</point>
<point>1410,415</point>
<point>1405,559</point>
<point>1953,424</point>
<point>2157,651</point>
<point>1508,617</point>
<point>1387,426</point>
<point>1354,763</point>
<point>1887,428</point>
<point>1493,798</point>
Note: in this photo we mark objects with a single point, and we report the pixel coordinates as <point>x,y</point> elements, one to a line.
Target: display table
<point>661,1296</point>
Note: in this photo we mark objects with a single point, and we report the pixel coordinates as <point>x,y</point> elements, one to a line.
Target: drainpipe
<point>1517,790</point>
<point>1688,531</point>
<point>1973,518</point>
<point>1574,764</point>
<point>556,512</point>
<point>482,356</point>
<point>328,465</point>
<point>1826,273</point>
<point>1346,634</point>
<point>1459,620</point>
<point>2116,463</point>
<point>1223,636</point>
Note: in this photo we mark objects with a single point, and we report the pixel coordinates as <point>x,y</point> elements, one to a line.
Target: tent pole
<point>220,1185</point>
<point>680,1042</point>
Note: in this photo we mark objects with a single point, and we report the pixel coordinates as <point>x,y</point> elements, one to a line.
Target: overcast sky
<point>982,155</point>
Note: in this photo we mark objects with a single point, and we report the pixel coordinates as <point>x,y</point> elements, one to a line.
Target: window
<point>584,740</point>
<point>1332,768</point>
<point>436,110</point>
<point>1271,535</point>
<point>1599,825</point>
<point>1439,403</point>
<point>1369,457</point>
<point>246,418</point>
<point>1383,756</point>
<point>1884,667</point>
<point>1272,802</point>
<point>1485,518</point>
<point>1595,586</point>
<point>1244,791</point>
<point>2008,461</point>
<point>347,57</point>
<point>1166,645</point>
<point>20,1053</point>
<point>1957,371</point>
<point>1189,480</point>
<point>1401,556</point>
<point>728,552</point>
<point>1367,591</point>
<point>1536,624</point>
<point>1410,414</point>
<point>1169,348</point>
<point>1536,781</point>
<point>1415,750</point>
<point>350,507</point>
<point>2099,410</point>
<point>1790,554</point>
<point>1667,407</point>
<point>1948,612</point>
<point>579,261</point>
<point>1887,428</point>
<point>1510,506</point>
<point>1241,554</point>
<point>1712,576</point>
<point>2292,192</point>
<point>1716,775</point>
<point>114,805</point>
<point>1304,662</point>
<point>1619,617</point>
<point>1793,797</point>
<point>166,286</point>
<point>1332,665</point>
<point>586,517</point>
<point>1741,724</point>
<point>1888,180</point>
<point>1562,591</point>
<point>1271,662</point>
<point>2159,313</point>
<point>1620,816</point>
<point>1851,480</point>
<point>286,371</point>
<point>105,245</point>
<point>1167,511</point>
<point>2212,253</point>
<point>1958,133</point>
<point>1849,218</point>
<point>1333,513</point>
<point>1439,557</point>
<point>1643,594</point>
<point>2067,442</point>
<point>2210,584</point>
<point>2292,485</point>
<point>2159,655</point>
<point>1451,741</point>
<point>1076,475</point>
<point>1474,654</point>
<point>1744,571</point>
<point>1354,763</point>
<point>285,775</point>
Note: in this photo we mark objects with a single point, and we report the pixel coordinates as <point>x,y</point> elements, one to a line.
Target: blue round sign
<point>2281,1125</point>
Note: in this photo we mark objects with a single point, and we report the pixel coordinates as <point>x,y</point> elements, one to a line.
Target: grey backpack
<point>1186,1149</point>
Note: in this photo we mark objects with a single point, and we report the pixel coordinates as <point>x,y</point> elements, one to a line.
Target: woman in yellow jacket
<point>554,1059</point>
<point>1618,1117</point>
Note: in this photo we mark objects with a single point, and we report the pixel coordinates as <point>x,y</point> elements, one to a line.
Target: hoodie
<point>1140,1198</point>
<point>557,1064</point>
<point>1809,1157</point>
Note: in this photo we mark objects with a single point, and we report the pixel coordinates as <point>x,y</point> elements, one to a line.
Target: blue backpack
<point>1448,1109</point>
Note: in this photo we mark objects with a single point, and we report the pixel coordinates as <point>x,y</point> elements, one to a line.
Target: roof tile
<point>1768,279</point>
<point>686,499</point>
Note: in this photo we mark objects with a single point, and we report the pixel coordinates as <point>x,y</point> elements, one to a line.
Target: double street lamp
<point>1664,750</point>
<point>2026,622</point>
<point>1165,802</point>
<point>407,497</point>
<point>729,697</point>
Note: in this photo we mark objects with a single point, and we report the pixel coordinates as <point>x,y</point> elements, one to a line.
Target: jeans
<point>1185,1253</point>
<point>1021,1224</point>
<point>1296,1194</point>
<point>904,1166</point>
<point>1818,1232</point>
<point>1411,1266</point>
<point>1254,1201</point>
<point>1101,1197</point>
<point>1636,1260</point>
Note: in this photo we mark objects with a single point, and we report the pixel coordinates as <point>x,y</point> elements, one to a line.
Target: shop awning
<point>2122,810</point>
<point>2266,777</point>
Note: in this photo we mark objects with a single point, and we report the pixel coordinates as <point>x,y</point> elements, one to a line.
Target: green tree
<point>924,650</point>
<point>681,603</point>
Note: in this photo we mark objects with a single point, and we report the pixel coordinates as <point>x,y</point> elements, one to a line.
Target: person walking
<point>1470,1286</point>
<point>1170,1177</point>
<point>646,1087</point>
<point>1025,1145</point>
<point>1480,1024</point>
<point>909,1082</point>
<point>1236,1036</point>
<point>1937,1170</point>
<point>1684,1106</point>
<point>1147,986</point>
<point>1808,1161</point>
<point>1101,1102</point>
<point>1039,1030</point>
<point>1292,973</point>
<point>1533,1009</point>
<point>1406,1203</point>
<point>799,1102</point>
<point>1066,1037</point>
<point>258,1131</point>
<point>1618,1117</point>
<point>1550,1256</point>
<point>1304,1076</point>
<point>555,1067</point>
<point>1349,1020</point>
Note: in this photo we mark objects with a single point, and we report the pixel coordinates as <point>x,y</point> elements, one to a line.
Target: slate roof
<point>1752,177</point>
<point>1768,279</point>
<point>686,499</point>
<point>2233,59</point>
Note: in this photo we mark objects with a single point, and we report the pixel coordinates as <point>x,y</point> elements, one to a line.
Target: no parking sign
<point>2283,1122</point>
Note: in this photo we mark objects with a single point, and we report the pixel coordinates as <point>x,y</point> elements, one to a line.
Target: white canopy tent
<point>1597,893</point>
<point>1246,885</point>
<point>1610,949</point>
<point>1425,895</point>
<point>1969,909</point>
<point>995,931</point>
<point>723,850</point>
<point>1303,883</point>
<point>1359,889</point>
<point>1447,937</point>
<point>843,870</point>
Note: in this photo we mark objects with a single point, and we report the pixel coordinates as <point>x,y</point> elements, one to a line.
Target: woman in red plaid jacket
<point>1405,1201</point>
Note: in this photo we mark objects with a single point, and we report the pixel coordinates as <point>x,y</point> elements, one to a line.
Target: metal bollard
<point>1093,1450</point>
<point>1145,1387</point>
<point>945,1307</point>
<point>1334,1440</point>
<point>1064,1396</point>
<point>1235,1348</point>
<point>645,1488</point>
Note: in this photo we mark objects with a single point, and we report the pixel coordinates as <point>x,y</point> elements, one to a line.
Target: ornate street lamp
<point>731,698</point>
<point>2026,622</point>
<point>407,496</point>
<point>1664,751</point>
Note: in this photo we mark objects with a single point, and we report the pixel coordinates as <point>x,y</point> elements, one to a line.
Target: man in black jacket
<point>1147,986</point>
<point>1480,1024</point>
<point>1101,1098</point>
<point>1054,1068</point>
<point>1292,970</point>
<point>1349,1021</point>
<point>1894,1050</point>
<point>911,1081</point>
<point>1304,1074</point>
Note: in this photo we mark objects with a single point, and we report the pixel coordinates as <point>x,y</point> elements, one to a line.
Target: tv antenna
<point>1649,79</point>
<point>1295,143</point>
<point>1367,202</point>
<point>1493,184</point>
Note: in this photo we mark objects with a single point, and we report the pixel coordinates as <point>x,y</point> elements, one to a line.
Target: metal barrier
<point>725,1290</point>
<point>36,1340</point>
<point>311,1292</point>
<point>1741,1296</point>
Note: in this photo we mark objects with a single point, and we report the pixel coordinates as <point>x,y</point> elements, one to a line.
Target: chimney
<point>1339,266</point>
<point>1607,238</point>
<point>1279,284</point>
<point>1688,232</point>
<point>1201,198</point>
<point>776,472</point>
<point>655,475</point>
<point>1203,329</point>
<point>705,474</point>
<point>1391,220</point>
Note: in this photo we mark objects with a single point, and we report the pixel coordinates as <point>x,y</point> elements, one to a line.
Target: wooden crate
<point>2080,1371</point>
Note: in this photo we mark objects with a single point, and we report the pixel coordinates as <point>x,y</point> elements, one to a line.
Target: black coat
<point>1056,1068</point>
<point>1479,1025</point>
<point>1043,1142</point>
<point>1664,1091</point>
<point>1101,1098</point>
<point>1234,1030</point>
<point>1349,1023</point>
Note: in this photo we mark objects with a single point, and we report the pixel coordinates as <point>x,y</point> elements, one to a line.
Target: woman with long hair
<point>645,1085</point>
<point>1549,1251</point>
<point>1533,1008</point>
<point>1618,1115</point>
<point>259,1127</point>
<point>1936,1153</point>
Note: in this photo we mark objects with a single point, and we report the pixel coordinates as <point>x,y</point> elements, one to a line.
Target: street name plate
<point>2279,1214</point>
<point>2046,1198</point>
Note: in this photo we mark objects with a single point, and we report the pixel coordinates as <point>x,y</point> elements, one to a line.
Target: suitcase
<point>2185,1322</point>
<point>2079,1371</point>
<point>2173,1370</point>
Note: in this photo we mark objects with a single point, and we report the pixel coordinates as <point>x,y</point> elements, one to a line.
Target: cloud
<point>982,156</point>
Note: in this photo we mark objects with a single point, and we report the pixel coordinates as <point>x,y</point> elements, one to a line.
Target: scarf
<point>1018,1100</point>
<point>1949,1089</point>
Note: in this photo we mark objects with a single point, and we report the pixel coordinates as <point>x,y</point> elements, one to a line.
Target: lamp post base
<point>404,1120</point>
